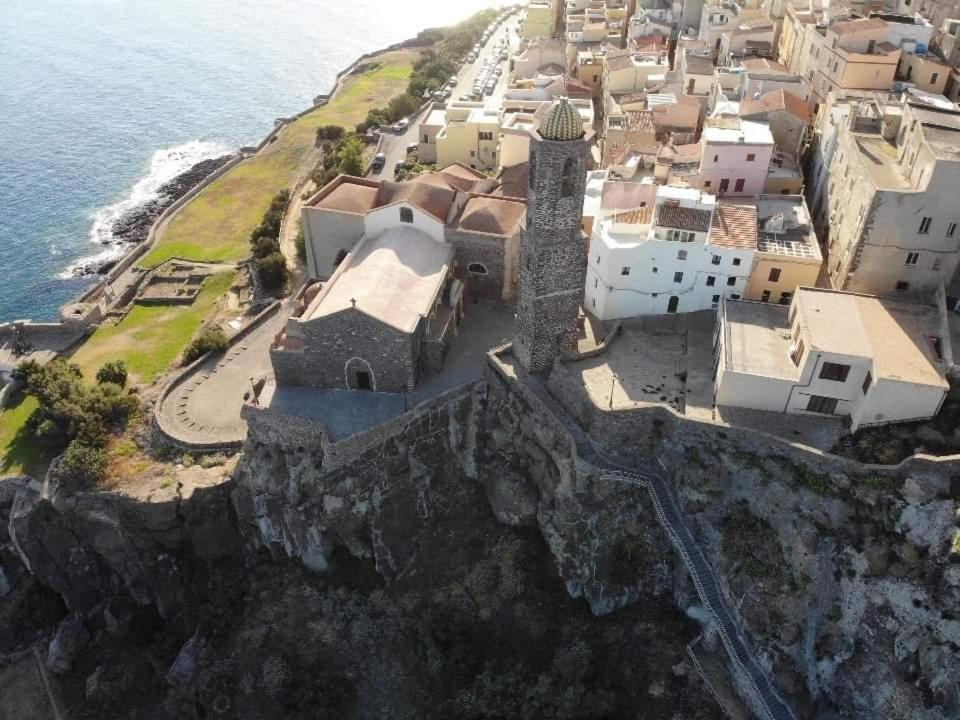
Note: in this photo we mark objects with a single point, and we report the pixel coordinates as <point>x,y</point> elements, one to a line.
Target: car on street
<point>412,148</point>
<point>400,125</point>
<point>465,98</point>
<point>471,57</point>
<point>379,160</point>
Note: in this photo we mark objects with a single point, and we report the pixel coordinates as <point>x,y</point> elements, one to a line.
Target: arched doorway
<point>358,375</point>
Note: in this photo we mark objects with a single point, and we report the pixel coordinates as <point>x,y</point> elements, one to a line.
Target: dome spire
<point>562,121</point>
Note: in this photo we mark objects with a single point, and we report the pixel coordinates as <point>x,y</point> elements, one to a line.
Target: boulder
<point>71,637</point>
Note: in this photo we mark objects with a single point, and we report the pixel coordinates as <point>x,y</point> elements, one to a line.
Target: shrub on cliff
<point>272,271</point>
<point>350,157</point>
<point>329,133</point>
<point>210,339</point>
<point>82,466</point>
<point>401,106</point>
<point>114,372</point>
<point>265,245</point>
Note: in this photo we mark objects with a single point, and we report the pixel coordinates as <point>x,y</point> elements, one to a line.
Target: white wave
<point>165,165</point>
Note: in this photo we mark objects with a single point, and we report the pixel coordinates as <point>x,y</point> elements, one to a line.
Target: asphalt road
<point>395,145</point>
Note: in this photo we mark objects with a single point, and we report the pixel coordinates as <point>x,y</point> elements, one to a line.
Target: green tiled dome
<point>561,122</point>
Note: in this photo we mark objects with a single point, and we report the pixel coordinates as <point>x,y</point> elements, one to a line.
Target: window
<point>925,225</point>
<point>820,404</point>
<point>796,353</point>
<point>715,300</point>
<point>731,281</point>
<point>734,297</point>
<point>625,270</point>
<point>406,215</point>
<point>596,282</point>
<point>715,260</point>
<point>912,258</point>
<point>477,269</point>
<point>834,371</point>
<point>598,259</point>
<point>485,135</point>
<point>426,138</point>
<point>707,183</point>
<point>716,158</point>
<point>738,186</point>
<point>678,277</point>
<point>774,275</point>
<point>785,298</point>
<point>936,346</point>
<point>711,280</point>
<point>951,229</point>
<point>654,270</point>
<point>765,297</point>
<point>724,184</point>
<point>751,157</point>
<point>933,77</point>
<point>681,254</point>
<point>567,182</point>
<point>473,153</point>
<point>867,382</point>
<point>736,261</point>
<point>902,285</point>
<point>673,304</point>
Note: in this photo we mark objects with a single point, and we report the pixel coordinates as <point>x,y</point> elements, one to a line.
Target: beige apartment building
<point>892,199</point>
<point>874,360</point>
<point>540,19</point>
<point>834,52</point>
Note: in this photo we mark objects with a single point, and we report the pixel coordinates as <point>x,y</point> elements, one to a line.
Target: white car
<point>400,125</point>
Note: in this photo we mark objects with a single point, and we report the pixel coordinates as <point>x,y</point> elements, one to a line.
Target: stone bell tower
<point>553,249</point>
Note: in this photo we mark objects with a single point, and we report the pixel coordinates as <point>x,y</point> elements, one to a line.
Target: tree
<point>272,271</point>
<point>350,157</point>
<point>330,133</point>
<point>401,106</point>
<point>210,339</point>
<point>82,466</point>
<point>114,372</point>
<point>265,245</point>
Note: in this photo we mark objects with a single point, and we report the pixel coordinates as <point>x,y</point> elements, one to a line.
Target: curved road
<point>204,409</point>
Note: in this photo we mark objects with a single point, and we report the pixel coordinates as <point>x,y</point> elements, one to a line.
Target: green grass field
<point>216,225</point>
<point>150,338</point>
<point>18,453</point>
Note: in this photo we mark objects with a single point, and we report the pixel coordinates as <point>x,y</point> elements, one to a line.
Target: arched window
<point>566,187</point>
<point>406,215</point>
<point>477,269</point>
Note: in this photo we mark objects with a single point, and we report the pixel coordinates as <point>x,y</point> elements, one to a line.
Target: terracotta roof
<point>420,193</point>
<point>637,216</point>
<point>350,197</point>
<point>640,121</point>
<point>648,42</point>
<point>681,218</point>
<point>758,64</point>
<point>679,115</point>
<point>680,154</point>
<point>859,25</point>
<point>578,88</point>
<point>734,226</point>
<point>492,216</point>
<point>514,181</point>
<point>758,21</point>
<point>620,62</point>
<point>776,100</point>
<point>551,69</point>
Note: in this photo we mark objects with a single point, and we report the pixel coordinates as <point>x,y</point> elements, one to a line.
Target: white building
<point>875,360</point>
<point>681,253</point>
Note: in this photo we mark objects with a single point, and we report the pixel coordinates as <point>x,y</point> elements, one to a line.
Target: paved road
<point>395,145</point>
<point>205,408</point>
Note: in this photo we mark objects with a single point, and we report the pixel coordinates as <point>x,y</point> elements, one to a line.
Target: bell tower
<point>553,248</point>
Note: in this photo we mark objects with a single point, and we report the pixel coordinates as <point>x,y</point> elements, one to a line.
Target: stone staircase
<point>674,523</point>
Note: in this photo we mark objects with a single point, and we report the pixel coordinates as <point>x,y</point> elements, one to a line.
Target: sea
<point>103,101</point>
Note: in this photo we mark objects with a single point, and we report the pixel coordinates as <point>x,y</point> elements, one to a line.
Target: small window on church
<point>566,187</point>
<point>477,269</point>
<point>406,215</point>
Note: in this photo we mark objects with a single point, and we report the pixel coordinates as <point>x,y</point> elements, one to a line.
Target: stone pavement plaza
<point>344,412</point>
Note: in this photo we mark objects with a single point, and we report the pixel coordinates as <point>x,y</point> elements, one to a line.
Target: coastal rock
<point>71,637</point>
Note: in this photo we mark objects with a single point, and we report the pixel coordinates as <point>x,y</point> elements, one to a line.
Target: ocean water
<point>102,101</point>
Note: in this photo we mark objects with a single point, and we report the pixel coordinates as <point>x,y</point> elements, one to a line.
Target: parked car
<point>412,148</point>
<point>465,98</point>
<point>400,125</point>
<point>471,57</point>
<point>379,160</point>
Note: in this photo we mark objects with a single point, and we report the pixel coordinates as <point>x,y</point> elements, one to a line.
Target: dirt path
<point>291,221</point>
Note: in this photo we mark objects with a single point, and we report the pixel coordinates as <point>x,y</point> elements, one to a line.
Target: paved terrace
<point>668,360</point>
<point>345,412</point>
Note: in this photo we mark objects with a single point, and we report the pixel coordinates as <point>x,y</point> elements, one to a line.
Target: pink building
<point>736,155</point>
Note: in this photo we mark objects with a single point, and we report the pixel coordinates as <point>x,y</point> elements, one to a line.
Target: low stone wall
<point>179,378</point>
<point>629,427</point>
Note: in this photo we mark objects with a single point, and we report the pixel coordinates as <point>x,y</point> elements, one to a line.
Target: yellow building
<point>471,136</point>
<point>540,20</point>
<point>788,254</point>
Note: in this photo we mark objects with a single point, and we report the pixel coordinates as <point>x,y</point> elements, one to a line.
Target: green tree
<point>82,466</point>
<point>329,133</point>
<point>210,339</point>
<point>401,106</point>
<point>265,245</point>
<point>114,371</point>
<point>272,271</point>
<point>350,157</point>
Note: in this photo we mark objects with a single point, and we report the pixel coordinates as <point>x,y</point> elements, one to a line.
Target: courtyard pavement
<point>345,412</point>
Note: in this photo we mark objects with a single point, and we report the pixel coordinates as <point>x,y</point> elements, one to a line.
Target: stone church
<point>392,264</point>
